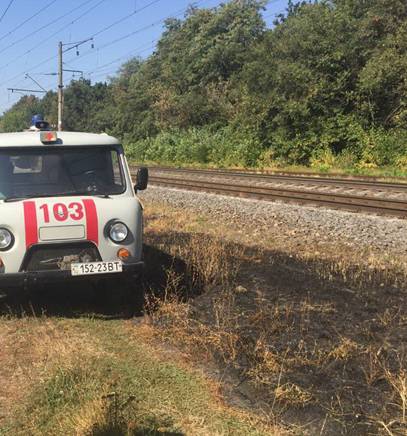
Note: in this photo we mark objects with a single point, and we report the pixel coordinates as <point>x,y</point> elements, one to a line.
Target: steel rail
<point>379,206</point>
<point>295,179</point>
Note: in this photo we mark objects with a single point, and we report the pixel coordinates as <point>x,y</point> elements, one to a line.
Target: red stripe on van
<point>30,222</point>
<point>92,231</point>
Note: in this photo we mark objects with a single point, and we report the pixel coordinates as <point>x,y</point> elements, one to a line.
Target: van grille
<point>53,257</point>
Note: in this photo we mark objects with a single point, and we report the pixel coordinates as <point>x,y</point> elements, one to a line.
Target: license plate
<point>84,269</point>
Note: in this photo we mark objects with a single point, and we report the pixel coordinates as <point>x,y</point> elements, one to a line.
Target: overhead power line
<point>97,33</point>
<point>135,51</point>
<point>5,11</point>
<point>61,29</point>
<point>44,61</point>
<point>18,26</point>
<point>73,21</point>
<point>119,21</point>
<point>101,67</point>
<point>45,26</point>
<point>173,14</point>
<point>135,32</point>
<point>78,18</point>
<point>111,71</point>
<point>107,73</point>
<point>128,35</point>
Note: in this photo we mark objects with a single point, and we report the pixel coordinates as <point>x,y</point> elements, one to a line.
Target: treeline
<point>326,86</point>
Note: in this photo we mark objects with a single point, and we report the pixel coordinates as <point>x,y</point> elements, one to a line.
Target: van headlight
<point>118,232</point>
<point>6,239</point>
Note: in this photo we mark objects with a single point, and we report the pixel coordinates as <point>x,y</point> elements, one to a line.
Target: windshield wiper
<point>83,193</point>
<point>11,199</point>
<point>62,194</point>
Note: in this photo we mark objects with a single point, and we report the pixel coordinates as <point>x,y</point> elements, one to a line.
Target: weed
<point>301,332</point>
<point>292,395</point>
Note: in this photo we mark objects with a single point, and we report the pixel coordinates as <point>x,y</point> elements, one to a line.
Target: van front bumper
<point>44,277</point>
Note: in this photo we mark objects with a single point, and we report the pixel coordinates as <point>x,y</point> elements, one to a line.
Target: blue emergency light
<point>39,122</point>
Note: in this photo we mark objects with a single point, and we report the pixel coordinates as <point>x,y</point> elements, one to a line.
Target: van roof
<point>32,138</point>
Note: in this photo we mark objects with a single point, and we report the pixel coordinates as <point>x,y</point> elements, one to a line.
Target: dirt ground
<point>314,343</point>
<point>241,335</point>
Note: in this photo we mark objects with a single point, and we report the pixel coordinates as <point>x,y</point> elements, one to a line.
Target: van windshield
<point>39,172</point>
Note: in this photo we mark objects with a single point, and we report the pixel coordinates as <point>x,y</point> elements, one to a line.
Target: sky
<point>30,31</point>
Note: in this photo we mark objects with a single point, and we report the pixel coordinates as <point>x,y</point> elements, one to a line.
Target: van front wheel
<point>125,292</point>
<point>133,288</point>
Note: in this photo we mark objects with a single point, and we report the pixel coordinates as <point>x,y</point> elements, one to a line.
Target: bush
<point>343,143</point>
<point>221,146</point>
<point>323,160</point>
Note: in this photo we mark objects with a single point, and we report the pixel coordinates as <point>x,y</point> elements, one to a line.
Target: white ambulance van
<point>68,208</point>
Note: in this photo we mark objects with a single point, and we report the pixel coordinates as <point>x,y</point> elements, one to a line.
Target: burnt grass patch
<point>315,344</point>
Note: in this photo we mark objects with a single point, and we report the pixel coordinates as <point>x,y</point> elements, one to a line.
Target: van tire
<point>127,293</point>
<point>134,291</point>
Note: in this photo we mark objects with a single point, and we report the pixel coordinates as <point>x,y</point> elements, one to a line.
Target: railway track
<point>349,194</point>
<point>297,179</point>
<point>276,173</point>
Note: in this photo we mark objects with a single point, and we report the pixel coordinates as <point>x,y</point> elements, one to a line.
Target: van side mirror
<point>141,179</point>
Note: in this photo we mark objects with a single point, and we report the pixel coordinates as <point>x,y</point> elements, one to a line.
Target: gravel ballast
<point>316,225</point>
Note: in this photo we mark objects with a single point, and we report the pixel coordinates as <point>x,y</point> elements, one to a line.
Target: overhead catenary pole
<point>60,87</point>
<point>61,70</point>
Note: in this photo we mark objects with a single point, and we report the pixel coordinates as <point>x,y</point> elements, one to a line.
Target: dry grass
<point>359,267</point>
<point>318,344</point>
<point>32,349</point>
<point>94,377</point>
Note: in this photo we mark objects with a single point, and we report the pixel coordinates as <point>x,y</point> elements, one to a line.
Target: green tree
<point>18,117</point>
<point>328,79</point>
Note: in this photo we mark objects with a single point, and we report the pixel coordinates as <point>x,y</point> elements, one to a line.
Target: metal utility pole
<point>60,87</point>
<point>61,70</point>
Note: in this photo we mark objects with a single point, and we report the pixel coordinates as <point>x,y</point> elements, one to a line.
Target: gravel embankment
<point>316,225</point>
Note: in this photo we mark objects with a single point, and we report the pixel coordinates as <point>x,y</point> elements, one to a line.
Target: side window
<point>117,176</point>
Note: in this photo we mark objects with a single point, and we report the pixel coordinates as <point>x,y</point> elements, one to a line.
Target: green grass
<point>122,387</point>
